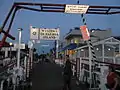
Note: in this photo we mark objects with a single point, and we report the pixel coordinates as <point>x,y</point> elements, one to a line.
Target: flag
<point>85,33</point>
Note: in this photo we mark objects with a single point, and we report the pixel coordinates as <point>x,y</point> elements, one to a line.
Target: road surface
<point>48,76</point>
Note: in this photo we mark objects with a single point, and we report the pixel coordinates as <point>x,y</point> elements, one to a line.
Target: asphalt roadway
<point>48,76</point>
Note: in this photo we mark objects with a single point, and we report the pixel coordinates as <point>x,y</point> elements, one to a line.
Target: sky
<point>65,22</point>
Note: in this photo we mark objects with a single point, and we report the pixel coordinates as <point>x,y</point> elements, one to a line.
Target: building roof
<point>117,37</point>
<point>93,33</point>
<point>73,32</point>
<point>71,46</point>
<point>104,41</point>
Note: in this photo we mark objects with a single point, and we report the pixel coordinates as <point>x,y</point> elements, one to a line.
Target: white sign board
<point>49,34</point>
<point>81,9</point>
<point>22,46</point>
<point>34,33</point>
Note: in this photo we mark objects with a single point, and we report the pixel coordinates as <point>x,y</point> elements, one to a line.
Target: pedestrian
<point>67,74</point>
<point>118,78</point>
<point>112,80</point>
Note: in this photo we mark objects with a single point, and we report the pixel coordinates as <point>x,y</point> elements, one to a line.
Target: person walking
<point>112,80</point>
<point>67,74</point>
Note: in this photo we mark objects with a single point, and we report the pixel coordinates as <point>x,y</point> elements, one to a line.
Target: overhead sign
<point>22,46</point>
<point>34,33</point>
<point>85,33</point>
<point>49,34</point>
<point>44,34</point>
<point>80,9</point>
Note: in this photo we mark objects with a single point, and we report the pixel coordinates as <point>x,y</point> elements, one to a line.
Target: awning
<point>70,47</point>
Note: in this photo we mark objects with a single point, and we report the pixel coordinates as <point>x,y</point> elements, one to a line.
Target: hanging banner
<point>34,33</point>
<point>81,9</point>
<point>49,34</point>
<point>85,32</point>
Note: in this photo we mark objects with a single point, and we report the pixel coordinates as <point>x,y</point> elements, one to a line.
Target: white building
<point>106,51</point>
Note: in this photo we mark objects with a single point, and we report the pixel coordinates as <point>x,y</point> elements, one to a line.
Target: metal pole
<point>8,81</point>
<point>31,58</point>
<point>103,52</point>
<point>14,87</point>
<point>6,53</point>
<point>32,53</point>
<point>10,51</point>
<point>57,49</point>
<point>80,67</point>
<point>25,66</point>
<point>1,86</point>
<point>90,64</point>
<point>19,43</point>
<point>28,64</point>
<point>114,60</point>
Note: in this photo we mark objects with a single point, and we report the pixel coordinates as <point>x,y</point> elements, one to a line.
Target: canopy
<point>70,47</point>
